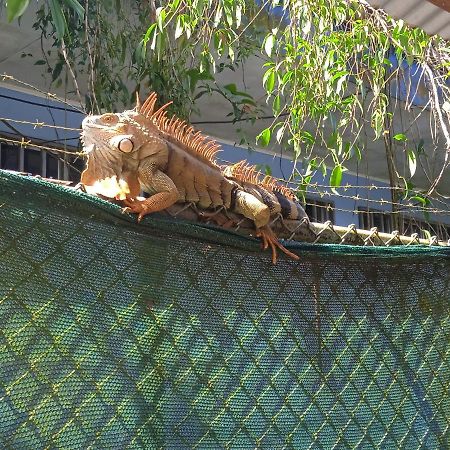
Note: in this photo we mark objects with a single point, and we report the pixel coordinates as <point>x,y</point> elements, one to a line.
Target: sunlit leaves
<point>336,176</point>
<point>412,162</point>
<point>263,138</point>
<point>325,73</point>
<point>316,74</point>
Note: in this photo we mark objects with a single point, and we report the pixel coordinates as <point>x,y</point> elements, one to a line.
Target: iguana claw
<point>156,202</point>
<point>137,207</point>
<point>269,239</point>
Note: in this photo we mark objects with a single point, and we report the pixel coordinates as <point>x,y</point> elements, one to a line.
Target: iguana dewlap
<point>144,149</point>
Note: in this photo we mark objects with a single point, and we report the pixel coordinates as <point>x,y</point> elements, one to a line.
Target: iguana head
<point>110,133</point>
<point>108,139</point>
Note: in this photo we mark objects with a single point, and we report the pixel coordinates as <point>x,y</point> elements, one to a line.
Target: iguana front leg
<point>153,180</point>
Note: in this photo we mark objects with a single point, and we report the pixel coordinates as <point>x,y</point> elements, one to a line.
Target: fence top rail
<point>297,232</point>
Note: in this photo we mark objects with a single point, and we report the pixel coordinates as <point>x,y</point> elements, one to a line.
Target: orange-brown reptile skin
<point>144,149</point>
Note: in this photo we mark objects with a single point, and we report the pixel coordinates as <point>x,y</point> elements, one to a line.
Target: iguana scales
<point>144,149</point>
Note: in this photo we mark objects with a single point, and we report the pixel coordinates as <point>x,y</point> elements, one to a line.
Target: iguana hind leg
<point>253,208</point>
<point>269,239</point>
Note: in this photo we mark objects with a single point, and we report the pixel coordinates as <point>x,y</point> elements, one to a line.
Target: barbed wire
<point>24,143</point>
<point>384,202</point>
<point>38,124</point>
<point>328,186</point>
<point>330,207</point>
<point>6,77</point>
<point>354,197</point>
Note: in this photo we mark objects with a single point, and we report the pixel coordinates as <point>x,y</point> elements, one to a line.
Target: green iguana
<point>144,149</point>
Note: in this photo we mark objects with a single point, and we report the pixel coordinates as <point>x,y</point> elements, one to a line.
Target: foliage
<point>331,63</point>
<point>329,68</point>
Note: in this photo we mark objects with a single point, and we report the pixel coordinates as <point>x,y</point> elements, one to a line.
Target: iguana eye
<point>109,119</point>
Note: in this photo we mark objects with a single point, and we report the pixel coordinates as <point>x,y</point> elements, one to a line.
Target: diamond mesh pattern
<point>161,335</point>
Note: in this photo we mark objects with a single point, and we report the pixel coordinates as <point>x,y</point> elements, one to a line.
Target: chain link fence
<point>169,335</point>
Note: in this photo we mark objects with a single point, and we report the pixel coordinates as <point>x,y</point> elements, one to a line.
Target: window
<point>10,157</point>
<point>411,225</point>
<point>76,166</point>
<point>51,166</point>
<point>369,218</point>
<point>32,161</point>
<point>37,162</point>
<point>319,211</point>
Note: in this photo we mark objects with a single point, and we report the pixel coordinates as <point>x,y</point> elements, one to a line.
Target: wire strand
<point>38,124</point>
<point>75,109</point>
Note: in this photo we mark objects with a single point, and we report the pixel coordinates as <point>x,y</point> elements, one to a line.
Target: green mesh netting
<point>178,336</point>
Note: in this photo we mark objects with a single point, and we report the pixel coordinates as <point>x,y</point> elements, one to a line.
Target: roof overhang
<point>432,16</point>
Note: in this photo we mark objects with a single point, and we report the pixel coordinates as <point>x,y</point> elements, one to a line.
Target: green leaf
<point>76,6</point>
<point>412,162</point>
<point>39,62</point>
<point>195,75</point>
<point>276,105</point>
<point>419,198</point>
<point>151,30</point>
<point>268,44</point>
<point>247,101</point>
<point>231,88</point>
<point>231,53</point>
<point>57,70</point>
<point>238,16</point>
<point>340,83</point>
<point>16,8</point>
<point>263,138</point>
<point>58,19</point>
<point>420,147</point>
<point>160,18</point>
<point>426,233</point>
<point>336,177</point>
<point>218,43</point>
<point>357,151</point>
<point>280,133</point>
<point>269,80</point>
<point>140,51</point>
<point>217,17</point>
<point>400,137</point>
<point>307,137</point>
<point>180,27</point>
